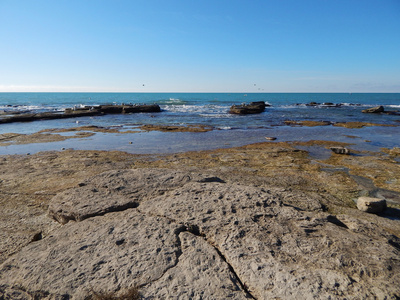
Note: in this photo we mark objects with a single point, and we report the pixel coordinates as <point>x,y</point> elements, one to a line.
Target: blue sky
<point>200,45</point>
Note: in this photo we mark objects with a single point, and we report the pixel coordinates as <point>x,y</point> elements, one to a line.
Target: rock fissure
<point>112,209</point>
<point>241,283</point>
<point>194,229</point>
<point>63,218</point>
<point>178,254</point>
<point>193,236</point>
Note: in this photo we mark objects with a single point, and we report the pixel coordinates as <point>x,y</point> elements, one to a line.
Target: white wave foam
<point>21,107</point>
<point>205,109</point>
<point>173,101</point>
<point>216,115</point>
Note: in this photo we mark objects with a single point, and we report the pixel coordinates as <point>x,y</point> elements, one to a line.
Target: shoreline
<point>299,178</point>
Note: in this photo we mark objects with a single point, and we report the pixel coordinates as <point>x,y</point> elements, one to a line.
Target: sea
<point>211,109</point>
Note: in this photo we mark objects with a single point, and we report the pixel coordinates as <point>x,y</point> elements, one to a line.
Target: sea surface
<point>207,109</point>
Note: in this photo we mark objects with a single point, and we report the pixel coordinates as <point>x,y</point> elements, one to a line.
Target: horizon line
<point>208,92</point>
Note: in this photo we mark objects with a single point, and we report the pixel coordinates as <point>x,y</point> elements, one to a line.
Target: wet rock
<point>123,109</point>
<point>371,205</point>
<point>340,150</point>
<point>374,110</point>
<point>251,108</point>
<point>81,112</point>
<point>391,112</point>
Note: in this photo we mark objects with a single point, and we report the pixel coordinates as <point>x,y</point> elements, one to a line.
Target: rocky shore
<point>263,221</point>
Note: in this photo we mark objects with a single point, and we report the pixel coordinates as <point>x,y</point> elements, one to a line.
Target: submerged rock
<point>374,110</point>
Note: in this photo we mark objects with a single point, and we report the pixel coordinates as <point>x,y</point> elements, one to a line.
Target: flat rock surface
<point>280,252</point>
<point>190,235</point>
<point>115,191</point>
<point>118,249</point>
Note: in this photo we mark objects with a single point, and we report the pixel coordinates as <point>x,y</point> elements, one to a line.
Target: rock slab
<point>194,236</point>
<point>116,190</point>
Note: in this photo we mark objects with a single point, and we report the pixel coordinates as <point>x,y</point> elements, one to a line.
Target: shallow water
<point>172,142</point>
<point>207,109</point>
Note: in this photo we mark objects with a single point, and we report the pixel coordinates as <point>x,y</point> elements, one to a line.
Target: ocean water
<point>207,109</point>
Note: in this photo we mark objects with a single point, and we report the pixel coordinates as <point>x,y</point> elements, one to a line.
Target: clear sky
<point>200,45</point>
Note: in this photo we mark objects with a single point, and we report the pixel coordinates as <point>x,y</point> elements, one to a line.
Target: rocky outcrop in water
<point>325,104</point>
<point>374,110</point>
<point>251,108</point>
<point>80,112</point>
<point>340,150</point>
<point>179,235</point>
<point>381,110</point>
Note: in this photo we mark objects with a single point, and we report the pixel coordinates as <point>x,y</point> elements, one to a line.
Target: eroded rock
<point>200,274</point>
<point>115,191</point>
<point>199,236</point>
<point>280,252</point>
<point>117,250</point>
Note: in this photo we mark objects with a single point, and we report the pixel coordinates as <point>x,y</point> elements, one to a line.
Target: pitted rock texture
<point>280,252</point>
<point>197,236</point>
<point>117,249</point>
<point>116,191</point>
<point>200,264</point>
